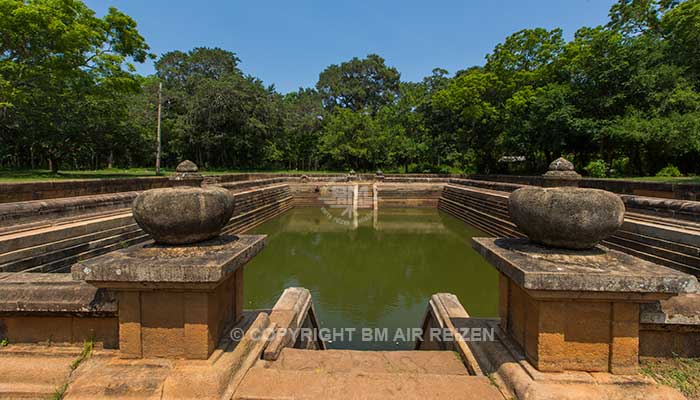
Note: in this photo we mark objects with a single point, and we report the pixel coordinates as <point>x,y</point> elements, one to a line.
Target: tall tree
<point>59,58</point>
<point>359,84</point>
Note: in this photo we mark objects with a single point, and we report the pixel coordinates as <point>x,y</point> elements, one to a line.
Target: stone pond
<point>388,268</point>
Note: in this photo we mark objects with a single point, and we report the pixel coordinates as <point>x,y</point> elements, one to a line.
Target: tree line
<point>620,99</point>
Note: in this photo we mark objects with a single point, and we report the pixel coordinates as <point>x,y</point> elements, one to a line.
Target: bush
<point>620,167</point>
<point>669,171</point>
<point>596,169</point>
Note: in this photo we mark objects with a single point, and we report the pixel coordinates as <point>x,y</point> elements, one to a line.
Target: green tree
<point>359,84</point>
<point>61,63</point>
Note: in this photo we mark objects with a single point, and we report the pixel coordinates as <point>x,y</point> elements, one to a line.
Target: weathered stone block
<point>174,301</point>
<point>576,311</point>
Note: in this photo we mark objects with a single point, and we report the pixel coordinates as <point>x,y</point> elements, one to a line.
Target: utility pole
<point>160,90</point>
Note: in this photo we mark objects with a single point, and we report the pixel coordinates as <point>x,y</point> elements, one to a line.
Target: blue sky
<point>288,43</point>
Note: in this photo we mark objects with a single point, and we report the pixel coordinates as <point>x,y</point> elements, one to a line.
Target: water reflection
<point>380,273</point>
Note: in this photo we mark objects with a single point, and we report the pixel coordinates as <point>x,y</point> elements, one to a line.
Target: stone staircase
<point>667,241</point>
<point>56,242</point>
<point>53,248</point>
<point>343,374</point>
<point>365,196</point>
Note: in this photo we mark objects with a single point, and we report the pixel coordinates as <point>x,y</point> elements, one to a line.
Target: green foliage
<point>85,353</point>
<point>626,95</point>
<point>596,169</point>
<point>680,373</point>
<point>4,342</point>
<point>620,167</point>
<point>63,74</point>
<point>359,84</point>
<point>669,171</point>
<point>60,392</point>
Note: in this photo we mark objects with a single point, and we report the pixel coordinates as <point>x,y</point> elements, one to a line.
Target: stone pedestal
<point>576,310</point>
<point>174,301</point>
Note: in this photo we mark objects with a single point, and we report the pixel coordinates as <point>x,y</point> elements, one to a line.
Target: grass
<point>35,175</point>
<point>88,346</point>
<point>680,373</point>
<point>664,179</point>
<point>29,175</point>
<point>59,392</point>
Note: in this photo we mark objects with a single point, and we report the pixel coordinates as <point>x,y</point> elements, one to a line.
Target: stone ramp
<point>368,362</point>
<point>269,384</point>
<point>347,374</point>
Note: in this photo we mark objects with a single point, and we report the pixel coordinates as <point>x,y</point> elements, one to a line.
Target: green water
<point>371,271</point>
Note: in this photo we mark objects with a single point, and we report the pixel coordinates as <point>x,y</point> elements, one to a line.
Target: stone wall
<point>399,195</point>
<point>680,191</point>
<point>56,210</point>
<point>26,191</point>
<point>388,194</point>
<point>54,309</point>
<point>44,190</point>
<point>37,211</point>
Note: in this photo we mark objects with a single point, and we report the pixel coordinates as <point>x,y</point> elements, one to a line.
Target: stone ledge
<point>679,310</point>
<point>55,294</point>
<point>205,263</point>
<point>601,270</point>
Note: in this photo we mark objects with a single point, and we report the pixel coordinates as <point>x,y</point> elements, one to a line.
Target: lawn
<point>680,373</point>
<point>8,175</point>
<point>34,175</point>
<point>682,179</point>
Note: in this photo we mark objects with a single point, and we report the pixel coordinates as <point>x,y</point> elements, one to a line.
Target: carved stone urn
<point>185,213</point>
<point>566,216</point>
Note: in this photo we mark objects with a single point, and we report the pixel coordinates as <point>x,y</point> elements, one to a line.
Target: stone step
<point>663,220</point>
<point>244,223</point>
<point>470,219</point>
<point>651,257</point>
<point>369,362</point>
<point>35,251</point>
<point>656,247</point>
<point>487,222</point>
<point>84,248</point>
<point>269,384</point>
<point>678,234</point>
<point>665,244</point>
<point>56,221</point>
<point>32,376</point>
<point>96,249</point>
<point>15,241</point>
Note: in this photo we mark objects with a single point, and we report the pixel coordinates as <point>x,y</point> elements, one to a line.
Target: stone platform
<point>174,301</point>
<point>502,359</point>
<point>577,310</point>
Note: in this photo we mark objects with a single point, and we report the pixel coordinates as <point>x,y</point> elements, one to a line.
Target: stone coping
<point>678,310</point>
<point>206,263</point>
<point>535,267</point>
<point>52,293</point>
